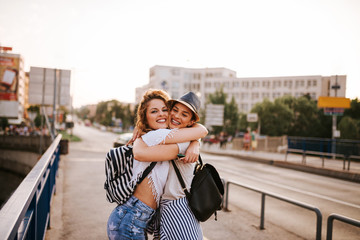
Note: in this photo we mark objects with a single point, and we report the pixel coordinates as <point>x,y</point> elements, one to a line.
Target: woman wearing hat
<point>176,219</point>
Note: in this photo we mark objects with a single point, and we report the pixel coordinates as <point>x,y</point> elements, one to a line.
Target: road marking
<point>290,188</point>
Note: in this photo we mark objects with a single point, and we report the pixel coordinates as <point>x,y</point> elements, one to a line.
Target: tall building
<point>246,91</point>
<point>12,87</point>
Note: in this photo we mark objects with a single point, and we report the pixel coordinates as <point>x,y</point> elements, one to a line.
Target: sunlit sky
<point>110,45</point>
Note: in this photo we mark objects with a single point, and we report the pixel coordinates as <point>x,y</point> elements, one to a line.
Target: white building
<point>246,91</point>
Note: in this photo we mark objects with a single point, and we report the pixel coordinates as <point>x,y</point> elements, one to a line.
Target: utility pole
<point>335,87</point>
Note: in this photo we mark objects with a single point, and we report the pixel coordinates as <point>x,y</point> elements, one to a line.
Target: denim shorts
<point>129,221</point>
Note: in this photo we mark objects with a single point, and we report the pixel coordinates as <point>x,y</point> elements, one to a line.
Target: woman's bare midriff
<point>143,192</point>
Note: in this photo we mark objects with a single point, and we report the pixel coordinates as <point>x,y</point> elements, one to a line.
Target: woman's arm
<point>169,150</point>
<point>142,152</point>
<point>195,132</point>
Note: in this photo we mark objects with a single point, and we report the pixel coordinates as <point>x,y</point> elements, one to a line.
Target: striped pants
<point>177,221</point>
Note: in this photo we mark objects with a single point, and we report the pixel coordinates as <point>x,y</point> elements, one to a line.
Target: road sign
<point>333,102</point>
<point>334,111</point>
<point>214,115</point>
<point>252,117</point>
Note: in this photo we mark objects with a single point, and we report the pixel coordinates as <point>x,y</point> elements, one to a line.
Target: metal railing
<point>341,218</point>
<point>26,215</point>
<point>325,148</point>
<point>264,194</point>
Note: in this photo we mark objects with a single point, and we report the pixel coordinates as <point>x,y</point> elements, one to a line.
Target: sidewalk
<point>313,164</point>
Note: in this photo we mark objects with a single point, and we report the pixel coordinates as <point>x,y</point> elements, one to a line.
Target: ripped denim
<point>129,221</point>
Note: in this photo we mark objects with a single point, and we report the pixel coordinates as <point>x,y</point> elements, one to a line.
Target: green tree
<point>4,122</point>
<point>306,121</point>
<point>276,117</point>
<point>103,116</point>
<point>107,111</point>
<point>349,128</point>
<point>354,110</point>
<point>83,112</point>
<point>231,117</point>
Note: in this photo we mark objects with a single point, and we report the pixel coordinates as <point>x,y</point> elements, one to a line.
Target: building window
<point>244,107</point>
<point>197,76</point>
<point>255,84</point>
<point>314,83</point>
<point>208,75</point>
<point>276,84</point>
<point>266,84</point>
<point>255,96</point>
<point>265,95</point>
<point>175,72</point>
<point>308,83</point>
<point>276,95</point>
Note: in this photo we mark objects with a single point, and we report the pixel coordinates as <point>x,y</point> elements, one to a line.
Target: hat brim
<point>172,103</point>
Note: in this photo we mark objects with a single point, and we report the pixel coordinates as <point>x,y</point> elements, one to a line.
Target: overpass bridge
<point>79,210</point>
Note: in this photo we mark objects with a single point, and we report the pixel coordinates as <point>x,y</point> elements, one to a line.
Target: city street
<point>80,209</point>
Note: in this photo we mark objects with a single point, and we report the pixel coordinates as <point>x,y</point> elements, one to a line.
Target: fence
<point>341,218</point>
<point>264,194</point>
<point>26,215</point>
<point>326,148</point>
<point>268,144</point>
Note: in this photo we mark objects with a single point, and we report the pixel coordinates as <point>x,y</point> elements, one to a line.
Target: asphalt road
<point>330,195</point>
<point>80,210</point>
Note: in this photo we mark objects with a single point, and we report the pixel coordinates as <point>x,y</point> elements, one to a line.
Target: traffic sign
<point>334,111</point>
<point>333,102</point>
<point>252,117</point>
<point>214,115</point>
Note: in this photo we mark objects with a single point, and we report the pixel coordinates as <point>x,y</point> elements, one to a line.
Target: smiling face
<point>157,114</point>
<point>180,116</point>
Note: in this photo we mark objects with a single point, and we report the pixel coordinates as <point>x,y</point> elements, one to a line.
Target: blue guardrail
<point>26,215</point>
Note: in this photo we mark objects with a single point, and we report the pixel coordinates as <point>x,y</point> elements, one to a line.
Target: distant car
<point>210,139</point>
<point>122,139</point>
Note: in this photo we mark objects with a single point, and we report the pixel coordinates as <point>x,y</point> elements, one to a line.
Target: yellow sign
<point>333,102</point>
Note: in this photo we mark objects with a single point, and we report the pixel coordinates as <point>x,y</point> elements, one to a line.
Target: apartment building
<point>246,91</point>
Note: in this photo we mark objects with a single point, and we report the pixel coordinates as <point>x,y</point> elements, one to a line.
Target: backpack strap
<point>147,171</point>
<point>182,183</point>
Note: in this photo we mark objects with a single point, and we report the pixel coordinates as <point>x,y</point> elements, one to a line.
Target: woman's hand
<point>136,134</point>
<point>192,153</point>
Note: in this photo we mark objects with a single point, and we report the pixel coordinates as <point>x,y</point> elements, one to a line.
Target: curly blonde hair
<point>141,121</point>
